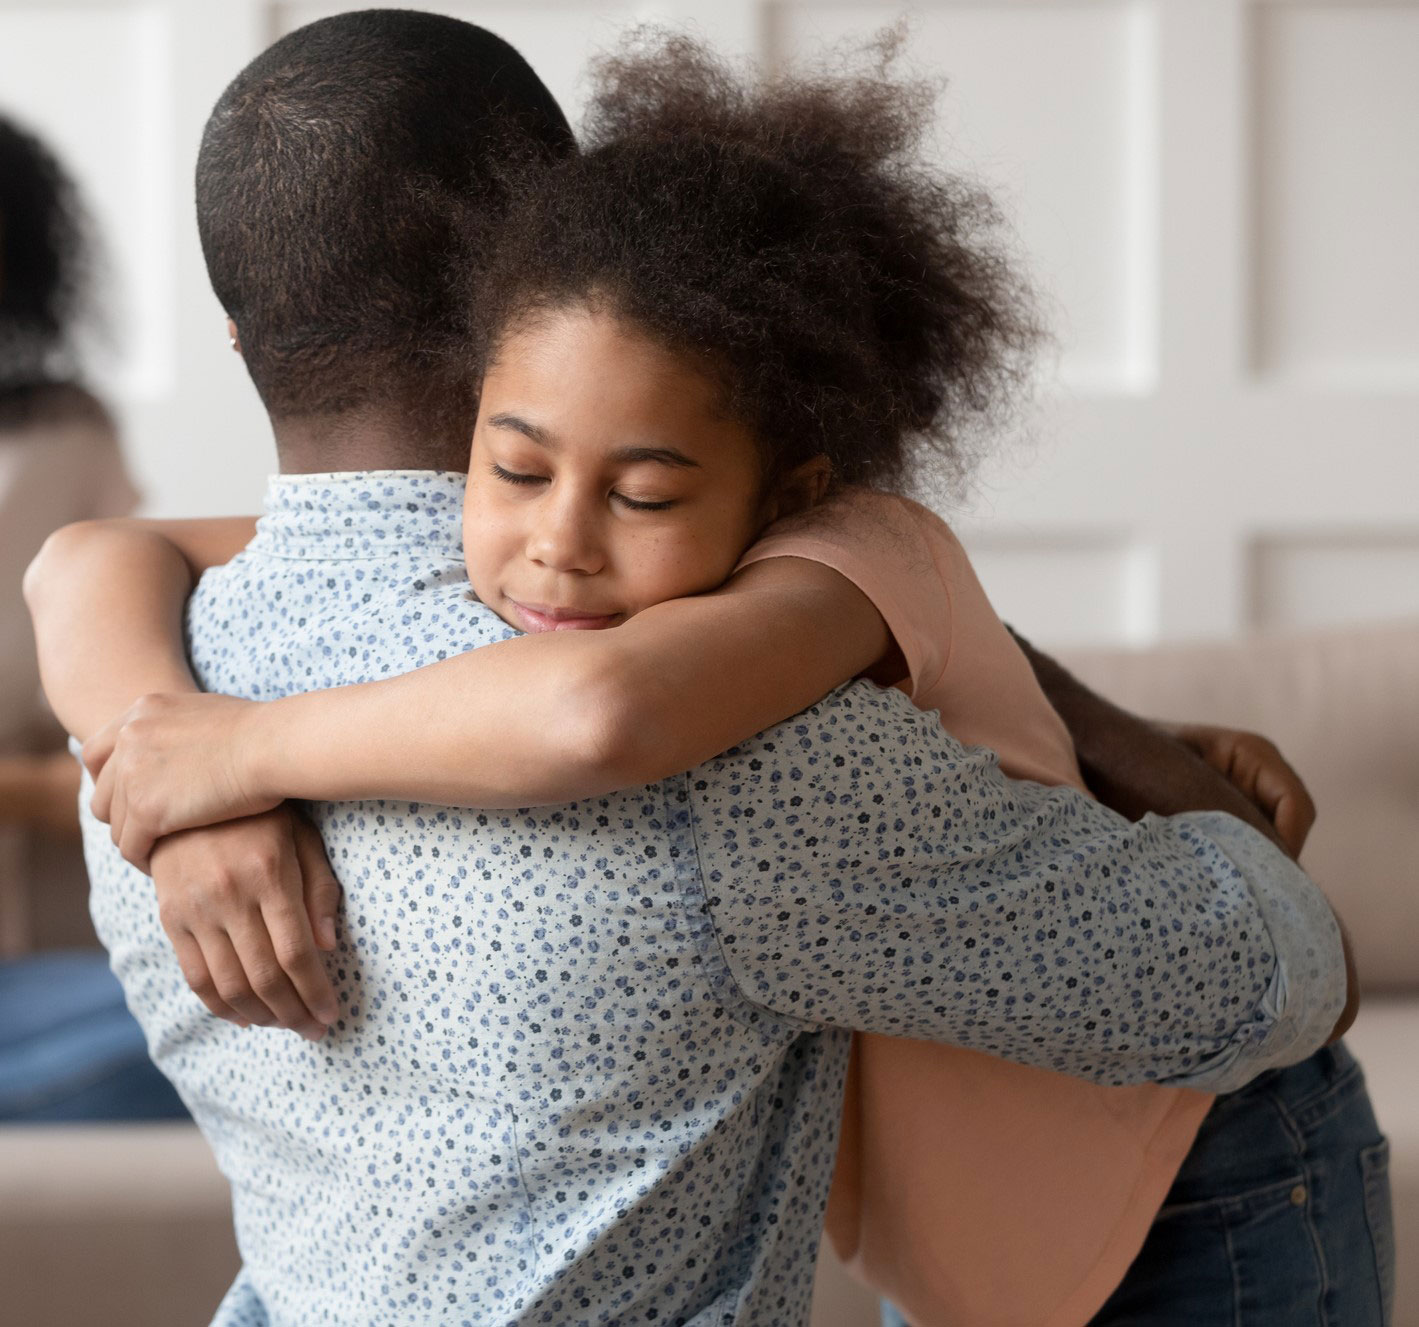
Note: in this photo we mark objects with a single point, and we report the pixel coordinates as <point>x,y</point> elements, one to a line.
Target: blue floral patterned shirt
<point>590,1058</point>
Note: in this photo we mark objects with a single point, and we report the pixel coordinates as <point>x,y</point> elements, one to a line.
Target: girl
<point>745,305</point>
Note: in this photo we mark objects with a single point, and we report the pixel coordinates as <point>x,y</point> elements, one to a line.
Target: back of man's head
<point>329,184</point>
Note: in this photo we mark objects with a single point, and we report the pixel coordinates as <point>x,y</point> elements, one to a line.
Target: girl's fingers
<point>101,803</point>
<point>135,841</point>
<point>266,978</point>
<point>117,812</point>
<point>293,947</point>
<point>99,748</point>
<point>199,977</point>
<point>322,889</point>
<point>229,978</point>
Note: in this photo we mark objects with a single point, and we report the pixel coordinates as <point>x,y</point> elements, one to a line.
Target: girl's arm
<point>535,720</point>
<point>107,598</point>
<point>248,904</point>
<point>568,714</point>
<point>572,714</point>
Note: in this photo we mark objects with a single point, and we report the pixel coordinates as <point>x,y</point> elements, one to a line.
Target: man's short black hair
<point>329,184</point>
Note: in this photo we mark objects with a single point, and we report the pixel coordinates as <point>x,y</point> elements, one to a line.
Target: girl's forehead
<point>590,373</point>
<point>589,333</point>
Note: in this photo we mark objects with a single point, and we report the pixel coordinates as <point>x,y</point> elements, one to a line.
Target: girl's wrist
<point>255,747</point>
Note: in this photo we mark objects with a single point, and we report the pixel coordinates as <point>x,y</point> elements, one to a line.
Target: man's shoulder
<point>862,748</point>
<point>264,623</point>
<point>856,713</point>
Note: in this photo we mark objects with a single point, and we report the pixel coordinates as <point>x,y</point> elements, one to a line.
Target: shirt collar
<point>361,513</point>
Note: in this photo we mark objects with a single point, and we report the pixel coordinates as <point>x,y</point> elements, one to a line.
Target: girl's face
<point>603,478</point>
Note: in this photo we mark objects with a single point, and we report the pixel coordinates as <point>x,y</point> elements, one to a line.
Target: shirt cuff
<point>1308,986</point>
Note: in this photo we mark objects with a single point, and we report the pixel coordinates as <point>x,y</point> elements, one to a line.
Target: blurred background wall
<point>1219,198</point>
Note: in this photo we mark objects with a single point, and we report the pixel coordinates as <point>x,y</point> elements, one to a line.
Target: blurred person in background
<point>68,1047</point>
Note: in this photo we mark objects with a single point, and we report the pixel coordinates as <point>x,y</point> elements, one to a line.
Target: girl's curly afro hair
<point>784,231</point>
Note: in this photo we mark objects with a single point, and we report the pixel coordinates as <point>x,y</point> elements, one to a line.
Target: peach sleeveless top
<point>970,1191</point>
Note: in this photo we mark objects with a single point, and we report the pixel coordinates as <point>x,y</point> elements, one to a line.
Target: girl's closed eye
<point>522,478</point>
<point>515,477</point>
<point>643,504</point>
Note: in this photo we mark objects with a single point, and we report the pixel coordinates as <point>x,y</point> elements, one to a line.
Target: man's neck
<point>368,440</point>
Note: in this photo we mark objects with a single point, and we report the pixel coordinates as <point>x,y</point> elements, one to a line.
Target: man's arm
<point>1136,767</point>
<point>1132,765</point>
<point>863,870</point>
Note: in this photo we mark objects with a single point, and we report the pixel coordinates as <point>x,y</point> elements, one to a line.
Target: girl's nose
<point>563,538</point>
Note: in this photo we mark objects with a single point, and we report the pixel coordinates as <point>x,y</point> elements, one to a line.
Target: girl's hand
<point>172,762</point>
<point>1258,770</point>
<point>246,906</point>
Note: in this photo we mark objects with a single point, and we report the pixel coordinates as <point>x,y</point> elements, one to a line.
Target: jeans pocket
<point>1379,1214</point>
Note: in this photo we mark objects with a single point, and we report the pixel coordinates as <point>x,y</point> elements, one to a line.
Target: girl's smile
<point>533,618</point>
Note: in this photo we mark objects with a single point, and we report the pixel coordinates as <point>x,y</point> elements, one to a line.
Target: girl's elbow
<point>603,740</point>
<point>52,565</point>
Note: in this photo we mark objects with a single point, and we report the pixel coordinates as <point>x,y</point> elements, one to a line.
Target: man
<point>588,1061</point>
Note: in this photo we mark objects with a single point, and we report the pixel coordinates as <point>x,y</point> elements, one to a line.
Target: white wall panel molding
<point>1320,577</point>
<point>1113,583</point>
<point>1053,107</point>
<point>1337,179</point>
<point>558,37</point>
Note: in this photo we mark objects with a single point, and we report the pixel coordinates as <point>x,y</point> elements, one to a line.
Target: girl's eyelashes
<point>512,477</point>
<point>632,504</point>
<point>636,505</point>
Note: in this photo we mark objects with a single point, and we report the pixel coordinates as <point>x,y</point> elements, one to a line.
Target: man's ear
<point>801,488</point>
<point>233,335</point>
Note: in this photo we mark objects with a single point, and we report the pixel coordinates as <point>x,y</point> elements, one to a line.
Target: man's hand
<point>246,905</point>
<point>172,762</point>
<point>1255,767</point>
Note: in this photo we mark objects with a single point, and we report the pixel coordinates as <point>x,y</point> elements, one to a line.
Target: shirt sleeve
<point>862,869</point>
<point>879,542</point>
<point>960,659</point>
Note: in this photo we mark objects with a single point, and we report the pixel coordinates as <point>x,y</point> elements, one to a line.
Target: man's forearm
<point>913,890</point>
<point>1131,765</point>
<point>1135,767</point>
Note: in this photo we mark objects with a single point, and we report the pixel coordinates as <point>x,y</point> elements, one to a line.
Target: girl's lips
<point>536,618</point>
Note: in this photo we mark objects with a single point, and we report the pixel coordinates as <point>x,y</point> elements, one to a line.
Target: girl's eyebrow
<point>535,432</point>
<point>664,455</point>
<point>626,455</point>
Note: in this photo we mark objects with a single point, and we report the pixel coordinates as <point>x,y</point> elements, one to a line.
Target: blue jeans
<point>1280,1215</point>
<point>69,1048</point>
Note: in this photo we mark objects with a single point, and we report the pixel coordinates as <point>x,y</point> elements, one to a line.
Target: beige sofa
<point>130,1224</point>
